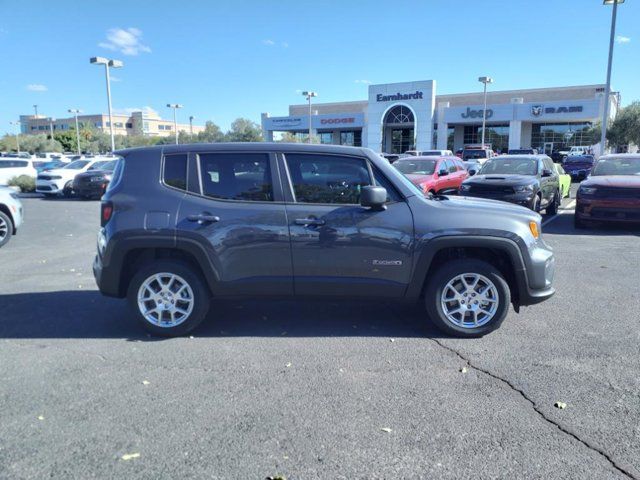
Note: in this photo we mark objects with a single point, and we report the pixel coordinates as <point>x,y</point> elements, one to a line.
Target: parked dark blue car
<point>579,166</point>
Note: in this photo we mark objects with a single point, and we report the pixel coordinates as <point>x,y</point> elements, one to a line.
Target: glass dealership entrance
<point>398,130</point>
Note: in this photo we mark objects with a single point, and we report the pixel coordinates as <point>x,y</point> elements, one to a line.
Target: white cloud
<point>622,39</point>
<point>268,42</point>
<point>126,41</point>
<point>129,110</point>
<point>366,82</point>
<point>114,78</point>
<point>37,87</point>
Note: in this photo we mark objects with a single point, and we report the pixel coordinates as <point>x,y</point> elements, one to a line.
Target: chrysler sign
<point>399,96</point>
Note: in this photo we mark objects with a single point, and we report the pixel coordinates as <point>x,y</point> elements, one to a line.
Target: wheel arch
<point>4,209</point>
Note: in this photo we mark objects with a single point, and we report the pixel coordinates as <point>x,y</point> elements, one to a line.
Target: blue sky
<point>226,59</point>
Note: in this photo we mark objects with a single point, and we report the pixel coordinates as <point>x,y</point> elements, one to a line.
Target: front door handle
<point>309,221</point>
<point>203,218</point>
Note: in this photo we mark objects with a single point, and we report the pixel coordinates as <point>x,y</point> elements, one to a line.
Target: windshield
<point>579,159</point>
<point>77,165</point>
<point>418,167</point>
<point>431,153</point>
<point>617,166</point>
<point>510,166</point>
<point>104,165</point>
<point>474,154</point>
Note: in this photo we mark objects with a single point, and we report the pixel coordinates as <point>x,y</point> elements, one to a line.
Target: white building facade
<point>398,117</point>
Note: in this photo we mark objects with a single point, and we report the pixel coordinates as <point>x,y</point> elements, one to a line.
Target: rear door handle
<point>309,221</point>
<point>203,218</point>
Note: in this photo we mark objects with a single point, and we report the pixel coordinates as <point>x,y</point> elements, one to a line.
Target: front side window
<point>175,171</point>
<point>327,178</point>
<point>77,165</point>
<point>236,176</point>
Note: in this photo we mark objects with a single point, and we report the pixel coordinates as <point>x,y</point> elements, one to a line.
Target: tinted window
<point>236,176</point>
<point>327,178</point>
<point>175,171</point>
<point>77,165</point>
<point>617,166</point>
<point>516,166</point>
<point>381,180</point>
<point>418,167</point>
<point>13,164</point>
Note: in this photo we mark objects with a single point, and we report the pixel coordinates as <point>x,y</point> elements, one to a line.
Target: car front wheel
<point>6,229</point>
<point>168,297</point>
<point>552,208</point>
<point>467,298</point>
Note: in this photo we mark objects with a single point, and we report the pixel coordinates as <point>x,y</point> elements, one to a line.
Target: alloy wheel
<point>165,300</point>
<point>4,229</point>
<point>469,300</point>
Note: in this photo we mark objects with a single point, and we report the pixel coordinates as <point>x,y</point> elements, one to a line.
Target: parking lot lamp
<point>51,120</point>
<point>113,64</point>
<point>605,112</point>
<point>485,81</point>
<point>17,124</point>
<point>75,112</point>
<point>309,96</point>
<point>175,107</point>
<point>35,107</point>
<point>191,126</point>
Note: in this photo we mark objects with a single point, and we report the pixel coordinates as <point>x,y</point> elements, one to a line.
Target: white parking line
<point>561,211</point>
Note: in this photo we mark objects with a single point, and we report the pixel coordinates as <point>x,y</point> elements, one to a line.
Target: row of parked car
<point>55,174</point>
<point>610,188</point>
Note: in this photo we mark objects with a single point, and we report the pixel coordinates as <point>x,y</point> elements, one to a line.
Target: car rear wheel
<point>6,229</point>
<point>168,297</point>
<point>67,191</point>
<point>467,298</point>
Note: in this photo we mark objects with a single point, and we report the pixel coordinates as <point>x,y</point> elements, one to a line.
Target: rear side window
<point>452,166</point>
<point>236,176</point>
<point>117,174</point>
<point>327,178</point>
<point>175,171</point>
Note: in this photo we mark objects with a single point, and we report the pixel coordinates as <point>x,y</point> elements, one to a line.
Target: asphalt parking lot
<point>315,390</point>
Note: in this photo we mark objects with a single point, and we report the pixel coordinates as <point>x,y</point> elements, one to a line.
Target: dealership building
<point>403,116</point>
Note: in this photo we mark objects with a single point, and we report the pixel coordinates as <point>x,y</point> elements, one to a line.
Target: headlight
<point>465,188</point>
<point>587,190</point>
<point>523,188</point>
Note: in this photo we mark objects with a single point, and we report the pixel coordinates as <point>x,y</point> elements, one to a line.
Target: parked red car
<point>612,192</point>
<point>433,174</point>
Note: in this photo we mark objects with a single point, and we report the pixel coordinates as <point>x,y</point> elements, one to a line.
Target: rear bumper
<point>618,211</point>
<point>89,189</point>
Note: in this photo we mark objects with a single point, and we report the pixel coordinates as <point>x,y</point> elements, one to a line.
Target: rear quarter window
<point>174,171</point>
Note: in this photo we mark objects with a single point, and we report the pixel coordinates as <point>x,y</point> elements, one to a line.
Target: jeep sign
<point>476,113</point>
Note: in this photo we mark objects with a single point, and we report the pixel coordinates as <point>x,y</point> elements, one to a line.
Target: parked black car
<point>182,224</point>
<point>528,180</point>
<point>93,183</point>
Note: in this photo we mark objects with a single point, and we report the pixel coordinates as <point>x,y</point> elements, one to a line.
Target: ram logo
<point>536,110</point>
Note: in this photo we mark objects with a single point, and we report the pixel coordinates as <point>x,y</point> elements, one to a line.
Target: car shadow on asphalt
<point>87,314</point>
<point>563,225</point>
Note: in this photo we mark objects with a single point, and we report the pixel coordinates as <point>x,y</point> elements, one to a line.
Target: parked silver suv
<point>10,214</point>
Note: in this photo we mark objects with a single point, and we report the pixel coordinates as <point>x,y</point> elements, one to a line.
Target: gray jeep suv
<point>183,224</point>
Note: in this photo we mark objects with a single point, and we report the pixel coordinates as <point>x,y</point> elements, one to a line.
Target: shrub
<point>25,182</point>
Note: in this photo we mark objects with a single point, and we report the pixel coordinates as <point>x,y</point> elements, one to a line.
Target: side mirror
<point>443,173</point>
<point>546,172</point>
<point>472,173</point>
<point>373,197</point>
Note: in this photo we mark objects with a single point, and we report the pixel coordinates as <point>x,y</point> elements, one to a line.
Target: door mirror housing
<point>546,172</point>
<point>443,173</point>
<point>373,197</point>
<point>472,173</point>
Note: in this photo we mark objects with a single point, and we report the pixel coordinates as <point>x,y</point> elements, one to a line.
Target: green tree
<point>289,137</point>
<point>244,130</point>
<point>211,134</point>
<point>625,129</point>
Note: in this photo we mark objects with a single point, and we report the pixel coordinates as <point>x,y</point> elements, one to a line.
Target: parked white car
<point>60,180</point>
<point>14,167</point>
<point>10,214</point>
<point>430,153</point>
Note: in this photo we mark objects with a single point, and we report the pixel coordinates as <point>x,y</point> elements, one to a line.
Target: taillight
<point>106,212</point>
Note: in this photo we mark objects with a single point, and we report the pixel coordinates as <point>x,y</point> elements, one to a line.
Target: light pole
<point>35,107</point>
<point>51,120</point>
<point>485,81</point>
<point>17,135</point>
<point>175,107</point>
<point>605,112</point>
<point>75,112</point>
<point>309,96</point>
<point>191,126</point>
<point>113,64</point>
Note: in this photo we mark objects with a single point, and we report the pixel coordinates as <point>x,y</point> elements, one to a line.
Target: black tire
<point>578,224</point>
<point>552,208</point>
<point>7,229</point>
<point>449,271</point>
<point>67,191</point>
<point>201,296</point>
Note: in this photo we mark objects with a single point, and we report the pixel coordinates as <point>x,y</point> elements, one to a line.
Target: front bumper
<point>540,273</point>
<point>601,210</point>
<point>524,199</point>
<point>49,186</point>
